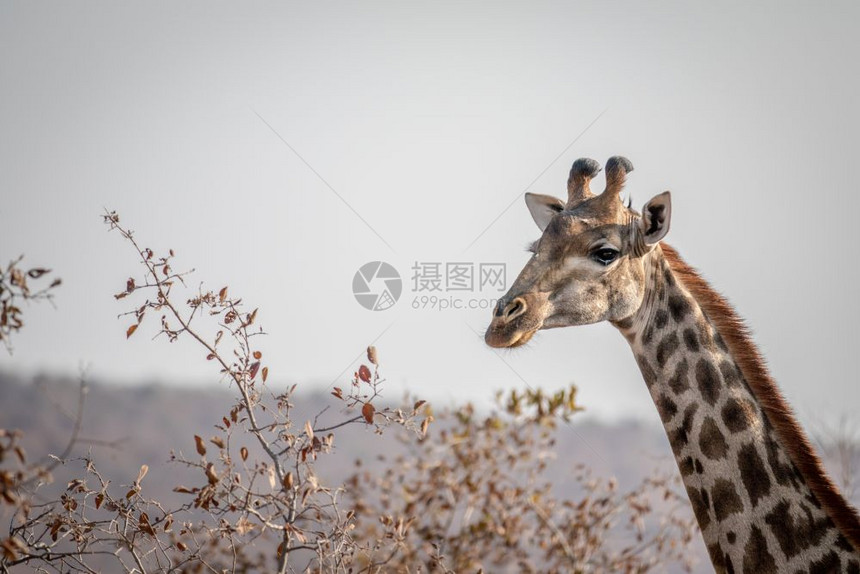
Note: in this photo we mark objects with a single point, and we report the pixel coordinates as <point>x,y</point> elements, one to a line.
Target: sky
<point>279,147</point>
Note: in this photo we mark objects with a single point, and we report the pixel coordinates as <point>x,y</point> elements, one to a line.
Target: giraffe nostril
<point>514,309</point>
<point>500,307</point>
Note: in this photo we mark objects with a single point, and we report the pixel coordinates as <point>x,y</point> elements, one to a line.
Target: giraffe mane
<point>737,336</point>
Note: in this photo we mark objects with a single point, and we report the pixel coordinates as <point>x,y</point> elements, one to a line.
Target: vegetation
<point>466,492</point>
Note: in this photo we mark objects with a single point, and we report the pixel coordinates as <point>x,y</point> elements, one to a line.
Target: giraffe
<point>759,493</point>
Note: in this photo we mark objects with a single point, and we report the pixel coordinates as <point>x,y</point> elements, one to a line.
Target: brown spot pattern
<point>730,374</point>
<point>691,340</point>
<point>753,473</point>
<point>828,564</point>
<point>681,435</point>
<point>726,499</point>
<point>700,507</point>
<point>737,414</point>
<point>711,440</point>
<point>679,307</point>
<point>647,372</point>
<point>708,380</point>
<point>792,533</point>
<point>666,349</point>
<point>757,557</point>
<point>678,381</point>
<point>667,408</point>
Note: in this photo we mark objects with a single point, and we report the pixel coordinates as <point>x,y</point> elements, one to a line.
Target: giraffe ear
<point>543,208</point>
<point>656,216</point>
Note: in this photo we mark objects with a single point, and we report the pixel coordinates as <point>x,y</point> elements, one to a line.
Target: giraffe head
<point>587,266</point>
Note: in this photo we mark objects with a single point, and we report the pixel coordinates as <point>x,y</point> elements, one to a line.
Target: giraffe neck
<point>757,510</point>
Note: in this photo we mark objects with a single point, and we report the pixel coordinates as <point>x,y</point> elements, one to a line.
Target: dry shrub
<point>470,496</point>
<point>473,496</point>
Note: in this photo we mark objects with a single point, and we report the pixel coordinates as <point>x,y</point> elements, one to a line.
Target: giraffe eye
<point>605,255</point>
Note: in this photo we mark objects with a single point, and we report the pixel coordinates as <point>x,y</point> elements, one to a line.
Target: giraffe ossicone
<point>759,493</point>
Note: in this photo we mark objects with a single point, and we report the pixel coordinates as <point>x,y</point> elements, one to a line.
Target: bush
<point>471,495</point>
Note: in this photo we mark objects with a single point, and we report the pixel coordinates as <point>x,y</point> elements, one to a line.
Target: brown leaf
<point>131,331</point>
<point>371,355</point>
<point>288,481</point>
<point>252,372</point>
<point>418,405</point>
<point>222,294</point>
<point>201,448</point>
<point>258,355</point>
<point>181,547</point>
<point>367,411</point>
<point>243,452</point>
<point>309,430</point>
<point>100,497</point>
<point>211,474</point>
<point>217,441</point>
<point>265,373</point>
<point>38,272</point>
<point>144,525</point>
<point>364,373</point>
<point>425,424</point>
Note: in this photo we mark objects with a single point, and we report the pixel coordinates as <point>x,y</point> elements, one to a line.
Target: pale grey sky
<point>428,119</point>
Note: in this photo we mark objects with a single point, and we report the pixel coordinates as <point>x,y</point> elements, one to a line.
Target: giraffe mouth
<point>501,340</point>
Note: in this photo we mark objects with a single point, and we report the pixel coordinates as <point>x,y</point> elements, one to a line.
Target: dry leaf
<point>211,474</point>
<point>425,424</point>
<point>201,448</point>
<point>367,412</point>
<point>141,473</point>
<point>131,331</point>
<point>243,452</point>
<point>265,373</point>
<point>364,373</point>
